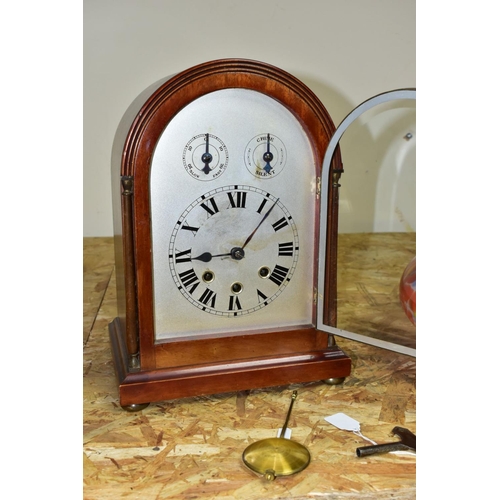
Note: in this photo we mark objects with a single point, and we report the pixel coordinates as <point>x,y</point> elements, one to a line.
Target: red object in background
<point>408,291</point>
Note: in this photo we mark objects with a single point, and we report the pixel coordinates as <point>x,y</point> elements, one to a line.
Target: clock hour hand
<point>260,223</point>
<point>207,256</point>
<point>236,253</point>
<point>206,157</point>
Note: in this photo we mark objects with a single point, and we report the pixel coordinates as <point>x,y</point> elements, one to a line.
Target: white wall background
<point>346,51</point>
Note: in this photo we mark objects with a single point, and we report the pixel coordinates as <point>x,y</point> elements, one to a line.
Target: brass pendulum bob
<point>279,456</point>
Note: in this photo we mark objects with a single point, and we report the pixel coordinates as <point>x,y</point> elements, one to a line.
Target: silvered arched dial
<point>233,250</point>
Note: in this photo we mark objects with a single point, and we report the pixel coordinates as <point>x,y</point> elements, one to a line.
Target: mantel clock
<point>217,189</point>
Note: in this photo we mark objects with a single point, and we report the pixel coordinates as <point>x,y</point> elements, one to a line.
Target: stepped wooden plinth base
<point>138,387</point>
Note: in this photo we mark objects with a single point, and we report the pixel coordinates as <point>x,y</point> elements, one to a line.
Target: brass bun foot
<point>334,381</point>
<point>135,407</point>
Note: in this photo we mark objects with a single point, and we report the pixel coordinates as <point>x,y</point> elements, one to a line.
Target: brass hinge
<point>127,185</point>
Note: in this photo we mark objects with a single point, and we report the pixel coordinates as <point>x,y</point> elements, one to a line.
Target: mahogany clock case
<point>151,370</point>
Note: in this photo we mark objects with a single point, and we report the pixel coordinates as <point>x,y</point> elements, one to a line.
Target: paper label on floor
<point>344,422</point>
<point>288,433</point>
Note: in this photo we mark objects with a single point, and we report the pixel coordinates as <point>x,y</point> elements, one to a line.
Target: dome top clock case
<point>216,202</point>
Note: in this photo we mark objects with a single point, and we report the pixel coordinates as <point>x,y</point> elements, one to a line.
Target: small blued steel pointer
<point>408,441</point>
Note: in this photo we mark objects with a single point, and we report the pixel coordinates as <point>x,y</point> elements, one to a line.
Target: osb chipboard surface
<point>192,448</point>
<point>98,262</point>
<point>369,272</point>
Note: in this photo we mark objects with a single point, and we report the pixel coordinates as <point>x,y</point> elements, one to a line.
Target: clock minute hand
<point>260,223</point>
<point>236,253</point>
